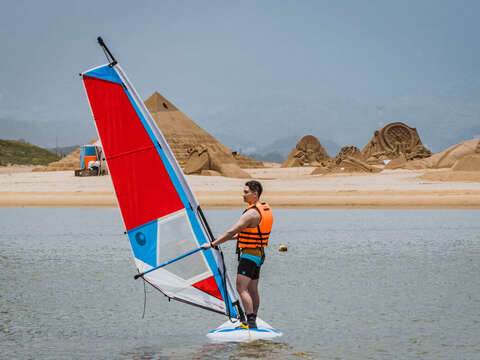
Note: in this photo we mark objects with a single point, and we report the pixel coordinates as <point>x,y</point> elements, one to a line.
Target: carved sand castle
<point>196,150</point>
<point>392,141</point>
<point>307,152</point>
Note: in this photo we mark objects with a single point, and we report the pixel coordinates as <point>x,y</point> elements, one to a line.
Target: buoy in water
<point>282,248</point>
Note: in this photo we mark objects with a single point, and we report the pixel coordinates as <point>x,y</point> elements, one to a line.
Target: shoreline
<point>443,199</point>
<point>284,188</point>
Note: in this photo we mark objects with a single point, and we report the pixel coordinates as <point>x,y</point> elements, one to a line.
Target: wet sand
<point>287,188</point>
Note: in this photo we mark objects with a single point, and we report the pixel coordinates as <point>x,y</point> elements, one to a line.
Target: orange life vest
<point>257,237</point>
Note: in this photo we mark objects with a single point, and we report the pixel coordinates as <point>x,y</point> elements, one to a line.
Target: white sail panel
<point>176,237</point>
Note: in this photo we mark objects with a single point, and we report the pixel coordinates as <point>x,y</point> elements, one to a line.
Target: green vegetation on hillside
<point>63,151</point>
<point>22,153</point>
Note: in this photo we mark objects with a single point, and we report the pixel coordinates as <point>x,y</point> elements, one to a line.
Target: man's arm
<point>250,219</point>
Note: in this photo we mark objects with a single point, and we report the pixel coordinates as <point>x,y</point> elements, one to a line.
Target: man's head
<point>252,191</point>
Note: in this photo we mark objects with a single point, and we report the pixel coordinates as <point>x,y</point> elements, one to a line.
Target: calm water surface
<point>354,284</point>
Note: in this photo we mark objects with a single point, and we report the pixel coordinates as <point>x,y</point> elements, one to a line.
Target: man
<point>251,232</point>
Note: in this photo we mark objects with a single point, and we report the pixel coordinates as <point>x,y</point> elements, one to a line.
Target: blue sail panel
<point>143,240</point>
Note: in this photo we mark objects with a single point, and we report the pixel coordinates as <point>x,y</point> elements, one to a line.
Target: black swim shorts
<point>248,268</point>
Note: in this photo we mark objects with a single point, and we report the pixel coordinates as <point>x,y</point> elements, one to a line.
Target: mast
<point>107,52</point>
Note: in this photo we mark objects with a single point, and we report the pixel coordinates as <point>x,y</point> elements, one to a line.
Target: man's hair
<point>255,186</point>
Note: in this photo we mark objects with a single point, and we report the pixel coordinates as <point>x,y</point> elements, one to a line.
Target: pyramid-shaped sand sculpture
<point>392,140</point>
<point>307,152</point>
<point>196,150</point>
<point>186,139</point>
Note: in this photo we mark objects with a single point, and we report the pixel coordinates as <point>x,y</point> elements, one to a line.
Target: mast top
<point>112,61</point>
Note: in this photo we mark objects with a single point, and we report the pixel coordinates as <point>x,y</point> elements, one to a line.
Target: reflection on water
<point>354,284</point>
<point>257,349</point>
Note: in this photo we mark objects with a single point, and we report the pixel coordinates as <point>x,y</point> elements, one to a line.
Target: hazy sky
<point>250,72</point>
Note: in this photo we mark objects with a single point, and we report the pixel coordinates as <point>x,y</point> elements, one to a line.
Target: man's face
<point>248,195</point>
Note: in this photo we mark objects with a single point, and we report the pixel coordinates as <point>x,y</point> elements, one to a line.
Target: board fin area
<point>232,332</point>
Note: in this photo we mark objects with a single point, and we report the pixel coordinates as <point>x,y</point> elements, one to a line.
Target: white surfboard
<point>229,332</point>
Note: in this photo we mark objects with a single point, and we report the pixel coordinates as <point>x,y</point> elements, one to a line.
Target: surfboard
<point>232,332</point>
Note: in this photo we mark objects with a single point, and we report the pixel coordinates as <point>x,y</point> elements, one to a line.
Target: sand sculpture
<point>350,151</point>
<point>349,159</point>
<point>464,154</point>
<point>190,143</point>
<point>468,163</point>
<point>391,141</point>
<point>210,161</point>
<point>307,152</point>
<point>347,165</point>
<point>398,163</point>
<point>246,162</point>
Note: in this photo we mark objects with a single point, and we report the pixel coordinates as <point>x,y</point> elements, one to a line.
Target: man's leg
<point>253,291</point>
<point>243,283</point>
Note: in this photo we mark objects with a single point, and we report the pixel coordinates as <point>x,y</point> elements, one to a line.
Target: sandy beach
<point>287,188</point>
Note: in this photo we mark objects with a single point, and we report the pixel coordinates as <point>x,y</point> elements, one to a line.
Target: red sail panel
<point>144,189</point>
<point>209,285</point>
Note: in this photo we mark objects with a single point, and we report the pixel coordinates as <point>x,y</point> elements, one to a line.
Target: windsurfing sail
<point>163,219</point>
